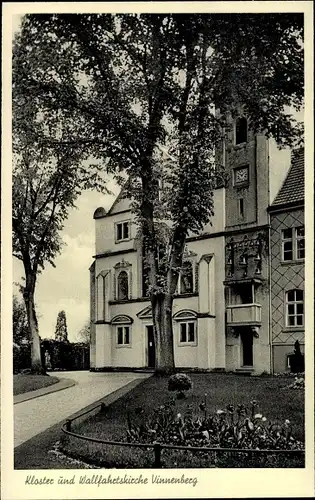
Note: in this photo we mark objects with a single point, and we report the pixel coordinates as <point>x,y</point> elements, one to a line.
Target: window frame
<point>295,315</point>
<point>235,131</point>
<point>187,322</point>
<point>241,211</point>
<point>295,239</point>
<point>123,327</point>
<point>122,224</point>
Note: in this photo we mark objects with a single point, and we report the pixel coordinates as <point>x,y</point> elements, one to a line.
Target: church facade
<point>221,311</point>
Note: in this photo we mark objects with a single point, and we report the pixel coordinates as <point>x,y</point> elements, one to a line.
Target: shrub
<point>179,382</point>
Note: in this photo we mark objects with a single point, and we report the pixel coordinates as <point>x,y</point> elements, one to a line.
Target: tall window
<point>187,332</point>
<point>122,286</point>
<point>122,231</point>
<point>241,207</point>
<point>293,244</point>
<point>300,243</point>
<point>186,278</point>
<point>240,130</point>
<point>295,308</point>
<point>123,335</point>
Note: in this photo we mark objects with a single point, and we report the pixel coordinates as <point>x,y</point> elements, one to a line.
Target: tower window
<point>241,207</point>
<point>122,231</point>
<point>241,130</point>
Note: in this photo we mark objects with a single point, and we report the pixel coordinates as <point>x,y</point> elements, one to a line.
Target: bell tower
<point>245,157</point>
<point>246,163</point>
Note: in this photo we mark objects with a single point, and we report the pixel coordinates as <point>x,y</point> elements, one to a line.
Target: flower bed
<point>234,437</point>
<point>149,414</point>
<point>239,427</point>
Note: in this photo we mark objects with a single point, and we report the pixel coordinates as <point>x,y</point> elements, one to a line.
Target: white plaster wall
<point>210,349</point>
<point>103,348</point>
<point>105,226</point>
<point>105,233</point>
<point>261,355</point>
<point>233,354</point>
<point>109,262</point>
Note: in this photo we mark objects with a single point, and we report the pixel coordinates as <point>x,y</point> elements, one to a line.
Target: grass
<point>275,403</point>
<point>26,383</point>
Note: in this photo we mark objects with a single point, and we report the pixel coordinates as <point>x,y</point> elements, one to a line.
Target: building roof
<point>292,189</point>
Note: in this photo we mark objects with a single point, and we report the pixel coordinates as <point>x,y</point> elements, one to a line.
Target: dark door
<point>247,345</point>
<point>246,293</point>
<point>151,347</point>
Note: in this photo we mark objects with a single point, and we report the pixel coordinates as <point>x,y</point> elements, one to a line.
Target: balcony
<point>243,314</point>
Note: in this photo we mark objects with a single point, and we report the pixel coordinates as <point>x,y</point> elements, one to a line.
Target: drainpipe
<point>256,169</point>
<point>269,267</point>
<point>269,290</point>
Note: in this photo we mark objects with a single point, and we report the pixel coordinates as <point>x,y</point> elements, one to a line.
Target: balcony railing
<point>243,314</point>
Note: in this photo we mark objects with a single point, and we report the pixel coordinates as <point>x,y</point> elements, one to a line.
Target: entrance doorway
<point>151,347</point>
<point>247,347</point>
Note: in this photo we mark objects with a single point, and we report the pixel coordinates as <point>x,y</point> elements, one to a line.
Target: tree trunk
<point>163,334</point>
<point>36,361</point>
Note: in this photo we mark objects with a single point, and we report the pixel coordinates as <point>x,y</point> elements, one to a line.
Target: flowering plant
<point>299,383</point>
<point>241,428</point>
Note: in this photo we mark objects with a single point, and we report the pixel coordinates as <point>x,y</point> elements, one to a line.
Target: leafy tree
<point>142,90</point>
<point>49,174</point>
<point>20,328</point>
<point>61,331</point>
<point>84,334</point>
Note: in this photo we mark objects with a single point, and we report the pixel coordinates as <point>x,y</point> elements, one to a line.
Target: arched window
<point>186,278</point>
<point>123,329</point>
<point>241,130</point>
<point>294,308</point>
<point>187,327</point>
<point>122,286</point>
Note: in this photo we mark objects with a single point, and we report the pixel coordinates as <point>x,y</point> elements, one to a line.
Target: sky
<point>66,287</point>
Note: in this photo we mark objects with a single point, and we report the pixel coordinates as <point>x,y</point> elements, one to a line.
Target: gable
<point>146,313</point>
<point>292,189</point>
<point>121,203</point>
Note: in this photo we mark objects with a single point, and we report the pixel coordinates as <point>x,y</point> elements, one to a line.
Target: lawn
<point>25,383</point>
<point>276,403</point>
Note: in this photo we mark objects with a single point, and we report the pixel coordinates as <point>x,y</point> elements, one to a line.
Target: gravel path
<point>36,415</point>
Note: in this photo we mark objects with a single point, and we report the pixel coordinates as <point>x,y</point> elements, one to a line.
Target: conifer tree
<point>61,331</point>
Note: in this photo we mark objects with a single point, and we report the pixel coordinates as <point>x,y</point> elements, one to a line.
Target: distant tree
<point>140,91</point>
<point>61,331</point>
<point>84,334</point>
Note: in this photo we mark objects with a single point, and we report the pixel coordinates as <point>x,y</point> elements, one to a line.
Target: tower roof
<point>292,189</point>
